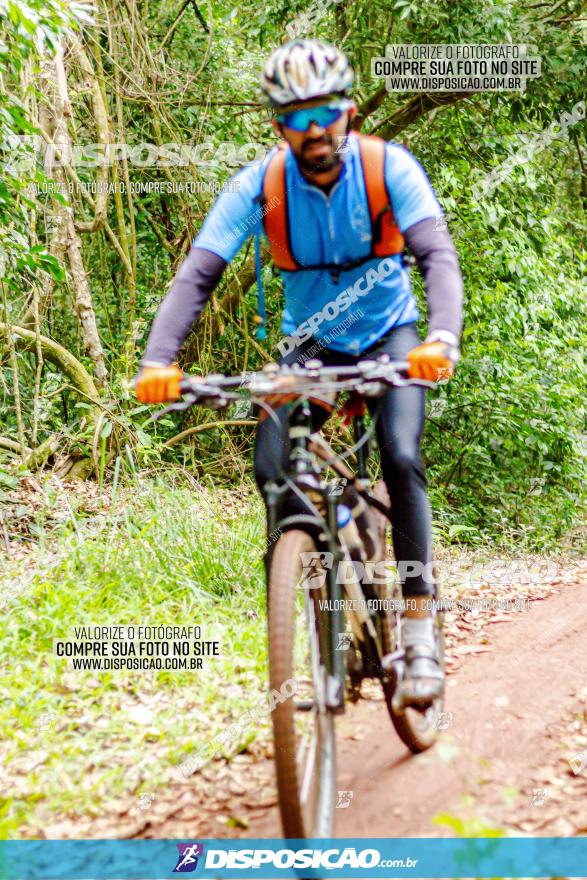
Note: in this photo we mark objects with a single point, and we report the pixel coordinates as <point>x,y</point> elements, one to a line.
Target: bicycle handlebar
<point>369,377</point>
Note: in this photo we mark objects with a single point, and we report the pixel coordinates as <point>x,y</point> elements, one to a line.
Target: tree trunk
<point>66,240</point>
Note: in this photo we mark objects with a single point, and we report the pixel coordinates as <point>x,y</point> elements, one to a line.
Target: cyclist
<point>318,200</point>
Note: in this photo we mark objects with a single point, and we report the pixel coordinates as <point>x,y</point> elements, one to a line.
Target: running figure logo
<point>189,854</point>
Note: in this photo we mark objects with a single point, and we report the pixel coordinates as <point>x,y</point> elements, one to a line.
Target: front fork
<point>335,619</point>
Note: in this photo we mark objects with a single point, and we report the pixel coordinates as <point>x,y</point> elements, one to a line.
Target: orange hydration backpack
<point>386,238</point>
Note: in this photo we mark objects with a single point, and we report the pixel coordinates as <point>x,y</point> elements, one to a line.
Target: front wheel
<point>303,728</point>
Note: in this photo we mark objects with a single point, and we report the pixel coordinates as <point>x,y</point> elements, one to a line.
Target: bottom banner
<point>388,858</point>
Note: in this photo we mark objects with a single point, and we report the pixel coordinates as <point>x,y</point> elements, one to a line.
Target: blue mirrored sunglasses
<point>323,115</point>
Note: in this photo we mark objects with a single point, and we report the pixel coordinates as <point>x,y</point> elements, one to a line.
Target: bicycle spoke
<point>308,770</point>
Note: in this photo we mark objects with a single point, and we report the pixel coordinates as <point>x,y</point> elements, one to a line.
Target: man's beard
<point>321,163</point>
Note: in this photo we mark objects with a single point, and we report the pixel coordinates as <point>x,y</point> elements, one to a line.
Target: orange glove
<point>432,361</point>
<point>158,384</point>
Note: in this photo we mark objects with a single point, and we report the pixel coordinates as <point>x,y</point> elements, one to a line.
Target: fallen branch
<point>69,366</point>
<point>64,360</point>
<point>13,446</point>
<point>197,428</point>
<point>45,450</point>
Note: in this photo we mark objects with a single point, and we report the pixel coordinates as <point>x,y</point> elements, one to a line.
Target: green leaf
<point>459,530</point>
<point>8,480</point>
<point>144,438</point>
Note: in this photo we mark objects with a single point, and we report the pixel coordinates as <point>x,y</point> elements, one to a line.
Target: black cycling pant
<point>398,430</point>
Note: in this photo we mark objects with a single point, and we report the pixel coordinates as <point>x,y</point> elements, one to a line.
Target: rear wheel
<point>303,729</point>
<point>417,728</point>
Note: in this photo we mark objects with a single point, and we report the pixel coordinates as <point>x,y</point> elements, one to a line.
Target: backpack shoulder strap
<point>387,238</point>
<point>275,216</point>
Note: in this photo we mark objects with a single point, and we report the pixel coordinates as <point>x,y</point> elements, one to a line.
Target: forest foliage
<point>87,252</point>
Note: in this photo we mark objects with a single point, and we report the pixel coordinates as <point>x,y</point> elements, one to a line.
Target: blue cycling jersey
<point>334,228</point>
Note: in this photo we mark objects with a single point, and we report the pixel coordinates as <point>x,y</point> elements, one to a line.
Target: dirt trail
<point>518,715</point>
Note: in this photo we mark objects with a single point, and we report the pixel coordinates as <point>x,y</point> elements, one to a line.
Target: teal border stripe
<point>156,859</point>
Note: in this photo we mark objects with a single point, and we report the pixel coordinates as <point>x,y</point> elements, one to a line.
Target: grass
<point>162,554</point>
<point>151,550</point>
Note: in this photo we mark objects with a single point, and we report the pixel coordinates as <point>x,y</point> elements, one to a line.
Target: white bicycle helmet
<point>305,69</point>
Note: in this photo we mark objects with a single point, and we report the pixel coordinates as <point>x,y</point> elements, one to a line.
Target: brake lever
<point>185,403</point>
<point>407,380</point>
<point>215,401</point>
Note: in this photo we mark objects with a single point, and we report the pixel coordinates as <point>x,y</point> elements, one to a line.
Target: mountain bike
<point>334,607</point>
